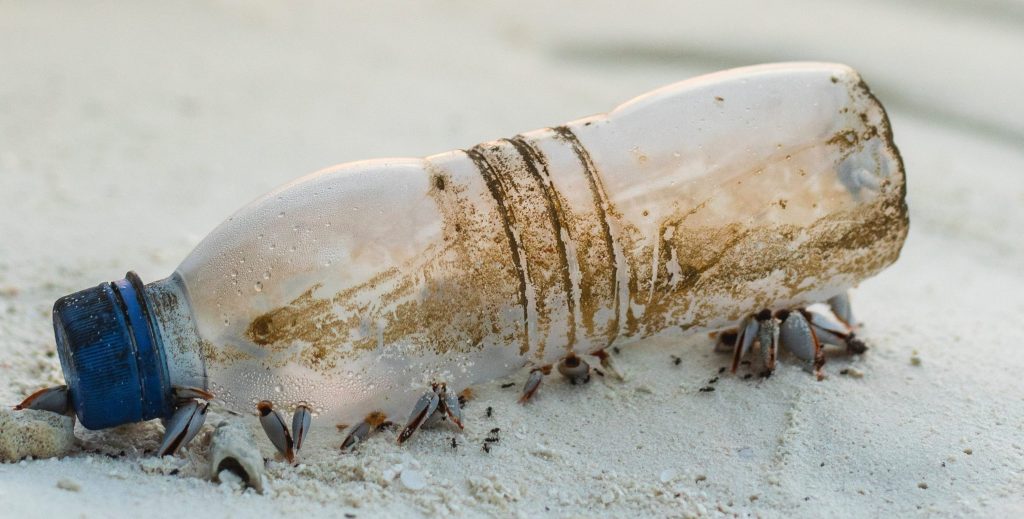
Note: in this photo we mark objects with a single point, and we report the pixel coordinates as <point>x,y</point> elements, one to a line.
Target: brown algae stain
<point>599,280</point>
<point>301,320</point>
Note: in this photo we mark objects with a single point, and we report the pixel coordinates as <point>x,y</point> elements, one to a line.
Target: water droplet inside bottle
<point>266,275</point>
<point>278,388</point>
<point>281,214</point>
<point>258,286</point>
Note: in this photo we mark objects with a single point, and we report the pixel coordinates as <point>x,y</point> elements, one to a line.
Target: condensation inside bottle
<point>314,238</point>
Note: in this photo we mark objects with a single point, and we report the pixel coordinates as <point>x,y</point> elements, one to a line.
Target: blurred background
<point>129,130</point>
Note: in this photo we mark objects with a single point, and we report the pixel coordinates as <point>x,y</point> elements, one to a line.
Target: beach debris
<point>852,372</point>
<point>545,452</point>
<point>68,484</point>
<point>815,204</point>
<point>36,433</point>
<point>233,450</point>
<point>668,475</point>
<point>412,479</point>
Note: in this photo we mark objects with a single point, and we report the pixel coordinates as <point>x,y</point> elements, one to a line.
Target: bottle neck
<point>171,308</point>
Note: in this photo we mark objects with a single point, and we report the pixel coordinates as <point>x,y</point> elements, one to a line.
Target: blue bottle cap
<point>112,355</point>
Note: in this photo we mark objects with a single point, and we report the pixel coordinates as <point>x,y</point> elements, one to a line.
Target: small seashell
<point>413,479</point>
<point>233,449</point>
<point>668,475</point>
<point>68,484</point>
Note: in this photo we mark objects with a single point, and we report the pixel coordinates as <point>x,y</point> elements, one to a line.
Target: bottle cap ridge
<point>111,354</point>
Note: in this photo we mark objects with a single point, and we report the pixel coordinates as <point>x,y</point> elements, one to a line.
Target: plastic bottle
<point>353,289</point>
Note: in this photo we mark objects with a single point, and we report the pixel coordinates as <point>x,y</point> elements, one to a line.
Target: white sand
<point>128,132</point>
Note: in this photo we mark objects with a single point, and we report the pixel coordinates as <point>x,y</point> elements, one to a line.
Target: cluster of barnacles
<point>189,416</point>
<point>801,331</point>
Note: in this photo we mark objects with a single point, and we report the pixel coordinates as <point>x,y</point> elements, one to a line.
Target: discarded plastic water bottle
<point>359,290</point>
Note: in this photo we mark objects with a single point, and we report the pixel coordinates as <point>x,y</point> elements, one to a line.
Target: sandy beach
<point>128,131</point>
